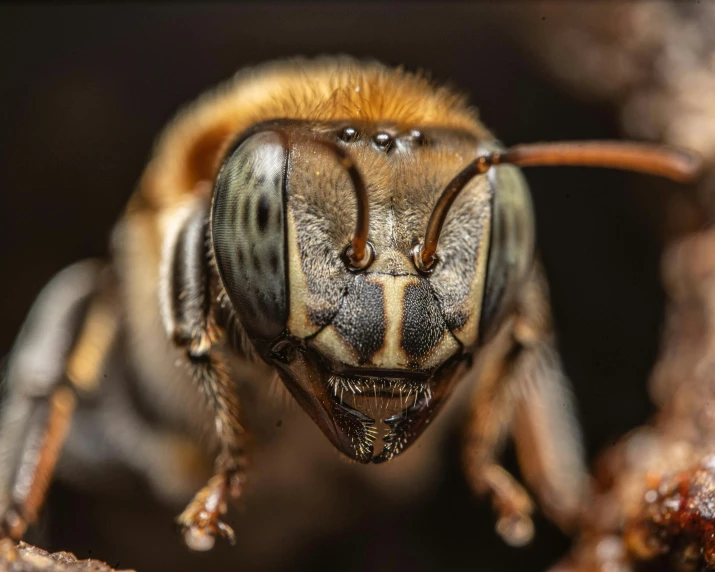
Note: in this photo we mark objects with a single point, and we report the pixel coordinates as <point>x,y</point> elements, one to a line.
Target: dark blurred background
<point>85,91</point>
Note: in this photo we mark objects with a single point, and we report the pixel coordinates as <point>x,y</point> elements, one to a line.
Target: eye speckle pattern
<point>511,245</point>
<point>264,209</point>
<point>248,234</point>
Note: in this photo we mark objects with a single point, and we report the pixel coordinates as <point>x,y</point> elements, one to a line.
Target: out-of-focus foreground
<point>23,557</point>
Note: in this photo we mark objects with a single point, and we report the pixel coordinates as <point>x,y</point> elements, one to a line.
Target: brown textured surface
<point>24,557</point>
<point>678,516</point>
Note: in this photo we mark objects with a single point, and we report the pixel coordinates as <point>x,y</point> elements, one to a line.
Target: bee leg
<point>201,520</point>
<point>185,292</point>
<point>56,359</point>
<point>487,429</point>
<point>528,394</point>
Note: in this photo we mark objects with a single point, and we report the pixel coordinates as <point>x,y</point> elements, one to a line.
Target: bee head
<point>368,263</point>
<point>314,231</point>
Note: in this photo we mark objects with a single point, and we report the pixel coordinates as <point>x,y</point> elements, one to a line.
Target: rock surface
<point>23,557</point>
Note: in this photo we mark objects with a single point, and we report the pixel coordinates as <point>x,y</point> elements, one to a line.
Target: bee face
<point>368,353</point>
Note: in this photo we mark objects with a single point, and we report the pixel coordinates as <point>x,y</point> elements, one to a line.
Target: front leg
<point>490,420</point>
<point>186,295</point>
<point>525,392</point>
<point>201,520</point>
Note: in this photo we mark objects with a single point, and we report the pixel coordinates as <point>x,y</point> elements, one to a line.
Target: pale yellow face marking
<point>442,351</point>
<point>299,323</point>
<point>468,333</point>
<point>332,345</point>
<point>391,356</point>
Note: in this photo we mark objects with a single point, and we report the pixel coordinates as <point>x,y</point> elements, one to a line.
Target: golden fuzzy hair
<point>322,89</point>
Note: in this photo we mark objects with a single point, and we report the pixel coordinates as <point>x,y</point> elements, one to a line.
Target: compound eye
<point>248,234</point>
<point>511,245</point>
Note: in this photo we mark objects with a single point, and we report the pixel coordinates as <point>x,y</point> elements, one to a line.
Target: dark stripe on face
<point>422,323</point>
<point>361,319</point>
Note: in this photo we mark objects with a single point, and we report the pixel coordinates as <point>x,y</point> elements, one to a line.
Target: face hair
<point>398,390</point>
<point>359,253</point>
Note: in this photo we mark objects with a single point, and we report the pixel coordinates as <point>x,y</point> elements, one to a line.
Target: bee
<point>351,228</point>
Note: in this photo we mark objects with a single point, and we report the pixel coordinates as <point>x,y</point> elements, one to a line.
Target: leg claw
<point>512,504</point>
<point>201,522</point>
<point>516,529</point>
<point>201,536</point>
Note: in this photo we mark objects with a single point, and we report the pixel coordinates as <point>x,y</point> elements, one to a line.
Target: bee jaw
<point>359,412</point>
